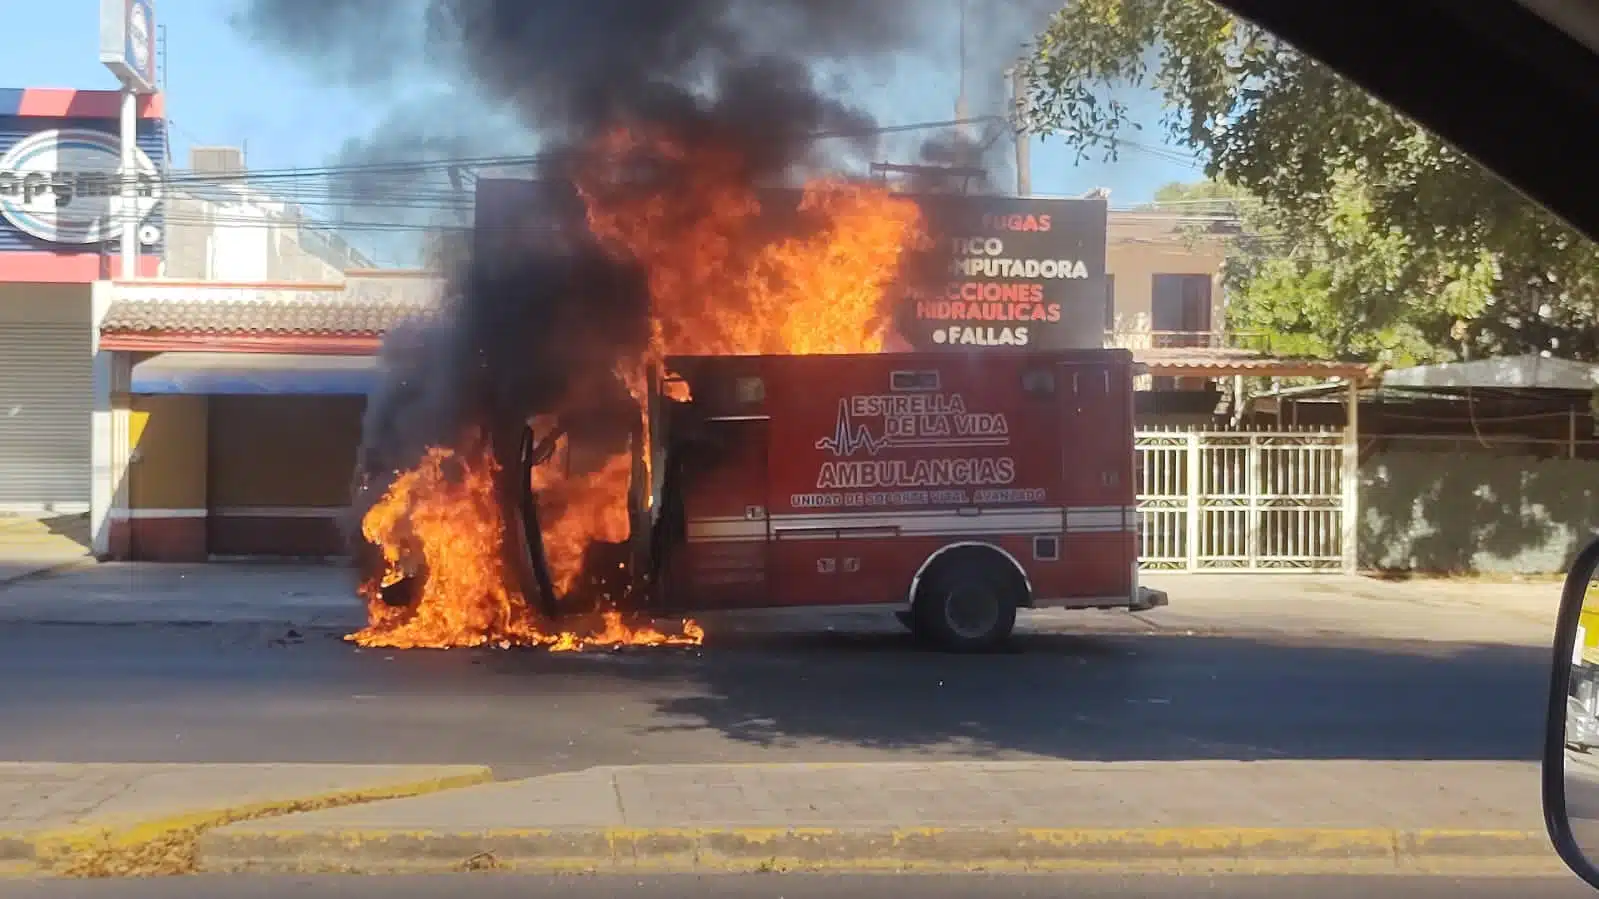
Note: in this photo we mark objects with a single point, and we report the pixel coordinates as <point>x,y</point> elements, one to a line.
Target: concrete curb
<point>48,571</point>
<point>242,849</point>
<point>167,844</point>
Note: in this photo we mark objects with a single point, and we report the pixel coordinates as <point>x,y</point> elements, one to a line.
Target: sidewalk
<point>212,593</point>
<point>98,820</point>
<point>1289,816</point>
<point>1434,610</point>
<point>1291,605</point>
<point>30,546</point>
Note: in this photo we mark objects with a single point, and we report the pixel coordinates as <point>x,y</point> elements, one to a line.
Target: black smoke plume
<point>533,325</point>
<point>536,321</point>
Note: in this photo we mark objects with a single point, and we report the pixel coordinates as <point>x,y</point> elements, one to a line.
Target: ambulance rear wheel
<point>967,605</point>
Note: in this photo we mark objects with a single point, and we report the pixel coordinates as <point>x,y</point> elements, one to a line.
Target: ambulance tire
<point>967,605</point>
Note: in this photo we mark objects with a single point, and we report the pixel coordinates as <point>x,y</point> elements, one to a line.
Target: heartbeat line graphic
<point>848,438</point>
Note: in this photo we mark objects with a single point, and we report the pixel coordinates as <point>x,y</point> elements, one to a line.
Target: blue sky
<point>224,89</point>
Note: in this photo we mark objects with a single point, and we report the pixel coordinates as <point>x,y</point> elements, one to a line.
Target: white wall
<point>243,240</point>
<point>236,251</point>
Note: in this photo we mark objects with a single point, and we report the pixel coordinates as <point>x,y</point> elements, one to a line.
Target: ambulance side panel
<point>833,480</point>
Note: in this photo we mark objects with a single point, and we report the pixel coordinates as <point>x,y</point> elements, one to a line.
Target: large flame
<point>578,509</point>
<point>720,284</point>
<point>445,511</point>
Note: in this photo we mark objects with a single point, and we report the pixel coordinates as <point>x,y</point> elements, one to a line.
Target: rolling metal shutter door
<point>46,395</point>
<point>279,473</point>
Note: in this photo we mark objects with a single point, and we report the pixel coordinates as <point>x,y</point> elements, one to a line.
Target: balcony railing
<point>1185,340</point>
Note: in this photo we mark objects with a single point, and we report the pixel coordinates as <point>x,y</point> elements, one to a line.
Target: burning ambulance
<point>953,490</point>
<point>684,402</point>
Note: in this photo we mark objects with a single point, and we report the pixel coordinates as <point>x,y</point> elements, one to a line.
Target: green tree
<point>1387,244</point>
<point>1343,289</point>
<point>1354,291</point>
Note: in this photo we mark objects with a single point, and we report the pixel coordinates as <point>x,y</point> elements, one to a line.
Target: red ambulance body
<point>955,488</point>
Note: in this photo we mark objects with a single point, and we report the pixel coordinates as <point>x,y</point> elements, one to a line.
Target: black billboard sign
<point>1008,272</point>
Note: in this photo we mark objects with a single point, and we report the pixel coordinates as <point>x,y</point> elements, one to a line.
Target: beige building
<point>1164,282</point>
<point>1164,300</point>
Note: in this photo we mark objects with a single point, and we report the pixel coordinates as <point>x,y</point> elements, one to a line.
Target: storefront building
<point>235,411</point>
<point>59,159</point>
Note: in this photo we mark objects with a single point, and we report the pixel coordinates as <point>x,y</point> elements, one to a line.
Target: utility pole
<point>161,74</point>
<point>128,134</point>
<point>1024,135</point>
<point>962,102</point>
<point>130,46</point>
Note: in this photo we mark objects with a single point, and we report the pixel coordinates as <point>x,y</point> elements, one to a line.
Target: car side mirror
<point>1571,735</point>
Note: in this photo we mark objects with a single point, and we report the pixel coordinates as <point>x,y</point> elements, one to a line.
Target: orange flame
<point>579,508</point>
<point>446,509</point>
<point>720,284</point>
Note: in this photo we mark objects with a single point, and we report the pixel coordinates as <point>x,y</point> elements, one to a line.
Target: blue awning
<point>255,374</point>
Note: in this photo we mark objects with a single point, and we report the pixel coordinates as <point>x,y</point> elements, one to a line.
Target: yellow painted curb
<point>167,845</point>
<point>276,849</point>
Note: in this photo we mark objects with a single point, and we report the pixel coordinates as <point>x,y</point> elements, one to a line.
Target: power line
<point>444,165</point>
<point>397,186</point>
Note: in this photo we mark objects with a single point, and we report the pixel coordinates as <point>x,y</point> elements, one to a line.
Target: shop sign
<point>1009,272</point>
<point>63,186</point>
<point>127,42</point>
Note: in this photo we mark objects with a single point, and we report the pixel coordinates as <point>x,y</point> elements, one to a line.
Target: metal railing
<point>1241,501</point>
<point>1133,339</point>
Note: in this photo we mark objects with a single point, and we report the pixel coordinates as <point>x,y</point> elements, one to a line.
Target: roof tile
<point>1242,362</point>
<point>322,317</point>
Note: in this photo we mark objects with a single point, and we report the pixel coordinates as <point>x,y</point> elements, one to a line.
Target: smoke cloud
<point>529,328</point>
<point>555,66</point>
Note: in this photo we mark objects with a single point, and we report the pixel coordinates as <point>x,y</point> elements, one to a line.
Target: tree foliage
<point>1355,290</point>
<point>1375,240</point>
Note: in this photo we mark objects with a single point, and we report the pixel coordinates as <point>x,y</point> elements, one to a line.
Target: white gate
<point>1243,501</point>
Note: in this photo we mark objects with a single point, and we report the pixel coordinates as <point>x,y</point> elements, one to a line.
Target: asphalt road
<point>244,693</point>
<point>773,886</point>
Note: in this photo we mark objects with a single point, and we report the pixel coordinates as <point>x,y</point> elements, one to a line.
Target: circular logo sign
<point>139,37</point>
<point>63,186</point>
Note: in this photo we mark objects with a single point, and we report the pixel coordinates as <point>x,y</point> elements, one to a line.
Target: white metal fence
<point>1243,501</point>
